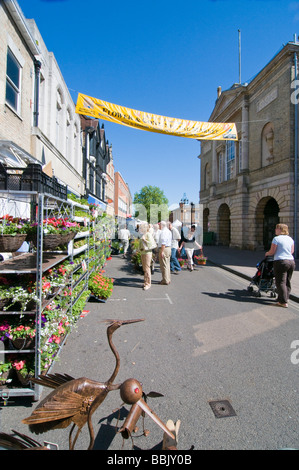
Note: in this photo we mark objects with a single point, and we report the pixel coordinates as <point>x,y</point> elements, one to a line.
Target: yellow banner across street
<point>100,109</point>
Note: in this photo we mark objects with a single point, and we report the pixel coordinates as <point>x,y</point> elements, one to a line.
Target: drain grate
<point>222,408</point>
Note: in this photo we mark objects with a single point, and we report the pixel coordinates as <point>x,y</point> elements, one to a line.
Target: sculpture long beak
<point>144,406</point>
<point>122,322</point>
<point>126,322</point>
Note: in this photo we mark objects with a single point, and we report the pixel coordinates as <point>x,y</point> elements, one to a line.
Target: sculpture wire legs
<point>72,444</point>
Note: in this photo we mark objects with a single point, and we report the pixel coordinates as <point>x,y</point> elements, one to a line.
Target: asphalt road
<point>204,338</point>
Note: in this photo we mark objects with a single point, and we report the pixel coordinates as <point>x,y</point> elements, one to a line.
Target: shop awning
<point>14,156</point>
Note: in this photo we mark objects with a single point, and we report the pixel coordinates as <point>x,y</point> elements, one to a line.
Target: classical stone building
<point>250,185</point>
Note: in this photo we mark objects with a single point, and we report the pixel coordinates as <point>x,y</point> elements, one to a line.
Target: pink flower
<point>18,364</point>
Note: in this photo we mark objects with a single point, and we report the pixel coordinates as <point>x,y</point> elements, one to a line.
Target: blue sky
<point>165,57</point>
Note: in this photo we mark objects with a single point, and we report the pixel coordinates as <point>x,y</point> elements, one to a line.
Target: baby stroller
<point>264,278</point>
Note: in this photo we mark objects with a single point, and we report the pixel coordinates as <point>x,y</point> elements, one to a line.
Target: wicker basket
<point>53,240</point>
<point>10,243</point>
<point>21,343</point>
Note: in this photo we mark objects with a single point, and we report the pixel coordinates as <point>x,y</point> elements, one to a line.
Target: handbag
<point>149,243</point>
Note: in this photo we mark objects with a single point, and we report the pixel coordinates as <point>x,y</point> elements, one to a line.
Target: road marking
<point>135,346</point>
<point>162,298</point>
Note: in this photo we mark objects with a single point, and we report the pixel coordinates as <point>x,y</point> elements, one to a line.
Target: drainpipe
<point>37,67</point>
<point>295,163</point>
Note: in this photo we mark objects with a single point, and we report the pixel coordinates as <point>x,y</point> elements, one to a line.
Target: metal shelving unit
<point>40,206</point>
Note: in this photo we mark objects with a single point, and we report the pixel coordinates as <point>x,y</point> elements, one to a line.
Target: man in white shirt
<point>164,245</point>
<point>174,264</point>
<point>124,237</point>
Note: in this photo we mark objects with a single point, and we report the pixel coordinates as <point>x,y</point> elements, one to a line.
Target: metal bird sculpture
<point>20,441</point>
<point>74,400</point>
<point>131,393</point>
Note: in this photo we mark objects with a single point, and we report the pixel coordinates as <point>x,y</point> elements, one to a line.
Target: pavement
<point>243,263</point>
<point>199,348</point>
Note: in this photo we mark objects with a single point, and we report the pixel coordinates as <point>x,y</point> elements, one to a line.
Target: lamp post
<point>192,213</point>
<point>183,201</point>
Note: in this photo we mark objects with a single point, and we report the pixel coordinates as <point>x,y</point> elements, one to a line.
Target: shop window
<point>230,159</point>
<point>13,81</point>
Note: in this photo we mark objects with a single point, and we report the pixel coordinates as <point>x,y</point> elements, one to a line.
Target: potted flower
<point>100,286</point>
<point>136,260</point>
<point>24,369</point>
<point>18,335</point>
<point>136,255</point>
<point>19,298</point>
<point>5,372</point>
<point>115,247</point>
<point>13,232</point>
<point>201,259</point>
<point>181,261</point>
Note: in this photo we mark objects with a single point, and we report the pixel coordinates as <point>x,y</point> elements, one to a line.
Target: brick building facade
<point>122,199</point>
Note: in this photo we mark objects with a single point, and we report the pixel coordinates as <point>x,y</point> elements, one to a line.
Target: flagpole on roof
<point>239,31</point>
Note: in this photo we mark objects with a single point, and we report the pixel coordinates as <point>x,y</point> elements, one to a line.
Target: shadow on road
<point>241,295</point>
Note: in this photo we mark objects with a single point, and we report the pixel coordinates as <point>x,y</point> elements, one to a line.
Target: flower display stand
<point>60,283</point>
<point>38,264</point>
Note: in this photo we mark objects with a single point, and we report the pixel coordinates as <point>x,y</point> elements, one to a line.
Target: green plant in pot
<point>100,286</point>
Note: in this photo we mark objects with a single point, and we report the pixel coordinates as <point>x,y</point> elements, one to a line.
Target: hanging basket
<point>53,240</point>
<point>23,380</point>
<point>11,243</point>
<point>21,343</point>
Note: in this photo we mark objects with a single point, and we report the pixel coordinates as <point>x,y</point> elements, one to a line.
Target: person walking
<point>164,252</point>
<point>156,234</point>
<point>124,237</point>
<point>174,263</point>
<point>147,243</point>
<point>189,243</point>
<point>282,249</point>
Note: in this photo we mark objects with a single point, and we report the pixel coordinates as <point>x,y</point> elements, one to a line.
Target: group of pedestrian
<point>161,243</point>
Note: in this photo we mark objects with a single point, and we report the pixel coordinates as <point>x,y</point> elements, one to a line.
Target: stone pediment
<point>224,101</point>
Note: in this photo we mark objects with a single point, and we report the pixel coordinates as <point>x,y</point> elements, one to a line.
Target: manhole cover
<point>222,408</point>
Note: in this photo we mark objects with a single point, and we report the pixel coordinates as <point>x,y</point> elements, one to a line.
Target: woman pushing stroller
<point>282,248</point>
